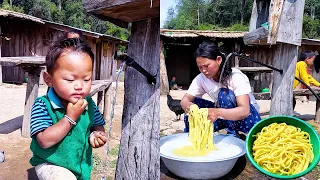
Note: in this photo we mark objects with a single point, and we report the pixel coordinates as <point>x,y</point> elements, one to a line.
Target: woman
<point>235,109</point>
<point>306,62</point>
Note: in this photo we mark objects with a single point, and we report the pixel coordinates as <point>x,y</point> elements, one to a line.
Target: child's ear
<point>47,78</point>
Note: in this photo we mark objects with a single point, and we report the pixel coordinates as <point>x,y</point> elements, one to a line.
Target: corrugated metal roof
<point>179,34</point>
<point>6,13</point>
<point>93,34</point>
<point>196,33</point>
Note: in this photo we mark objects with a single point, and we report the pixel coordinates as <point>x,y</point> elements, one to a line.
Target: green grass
<point>314,127</point>
<point>161,133</point>
<point>113,163</point>
<point>115,151</point>
<point>97,162</point>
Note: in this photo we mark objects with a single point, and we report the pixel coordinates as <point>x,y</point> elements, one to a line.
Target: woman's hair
<point>316,63</point>
<point>66,45</point>
<point>306,54</point>
<point>211,51</point>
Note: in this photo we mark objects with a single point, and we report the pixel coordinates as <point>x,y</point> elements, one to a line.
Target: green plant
<point>113,163</point>
<point>115,151</point>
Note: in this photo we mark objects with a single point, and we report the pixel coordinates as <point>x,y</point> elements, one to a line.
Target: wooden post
<point>0,56</point>
<point>31,95</point>
<point>108,93</point>
<point>285,27</point>
<point>98,71</point>
<point>139,147</point>
<point>236,58</point>
<point>285,59</point>
<point>317,118</point>
<point>164,83</point>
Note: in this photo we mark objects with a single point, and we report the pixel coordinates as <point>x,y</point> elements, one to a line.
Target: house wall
<point>178,62</point>
<point>28,38</point>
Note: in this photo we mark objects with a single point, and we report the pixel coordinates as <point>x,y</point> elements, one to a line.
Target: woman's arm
<point>238,113</point>
<point>313,81</point>
<point>302,71</point>
<point>186,102</point>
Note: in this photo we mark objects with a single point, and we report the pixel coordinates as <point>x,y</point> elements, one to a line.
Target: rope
<point>111,120</point>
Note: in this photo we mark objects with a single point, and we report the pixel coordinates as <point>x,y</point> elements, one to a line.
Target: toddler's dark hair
<point>66,45</point>
<point>74,31</point>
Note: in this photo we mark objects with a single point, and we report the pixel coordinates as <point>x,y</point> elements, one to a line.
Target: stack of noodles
<point>200,134</point>
<point>282,149</point>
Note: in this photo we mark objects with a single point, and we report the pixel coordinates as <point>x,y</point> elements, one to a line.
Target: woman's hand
<point>186,102</point>
<point>213,114</point>
<point>186,106</point>
<point>97,139</point>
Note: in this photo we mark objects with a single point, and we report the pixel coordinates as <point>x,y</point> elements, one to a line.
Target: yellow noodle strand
<point>200,134</point>
<point>282,149</point>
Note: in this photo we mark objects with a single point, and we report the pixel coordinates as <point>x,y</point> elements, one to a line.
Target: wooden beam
<point>285,58</point>
<point>31,95</point>
<point>256,37</point>
<point>121,11</point>
<point>24,61</point>
<point>117,22</point>
<point>290,25</point>
<point>99,85</point>
<point>274,20</point>
<point>164,83</point>
<point>255,69</point>
<point>139,146</point>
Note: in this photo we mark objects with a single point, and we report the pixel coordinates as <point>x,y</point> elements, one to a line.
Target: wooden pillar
<point>139,147</point>
<point>164,83</point>
<point>0,56</point>
<point>282,87</point>
<point>108,97</point>
<point>31,95</point>
<point>317,118</point>
<point>236,58</point>
<point>98,72</point>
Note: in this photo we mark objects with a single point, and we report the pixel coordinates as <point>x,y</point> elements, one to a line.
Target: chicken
<point>174,106</point>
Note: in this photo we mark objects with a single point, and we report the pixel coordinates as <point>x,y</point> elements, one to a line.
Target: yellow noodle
<point>282,149</point>
<point>200,134</point>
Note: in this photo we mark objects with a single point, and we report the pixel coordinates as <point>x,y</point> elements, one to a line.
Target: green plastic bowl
<point>315,141</point>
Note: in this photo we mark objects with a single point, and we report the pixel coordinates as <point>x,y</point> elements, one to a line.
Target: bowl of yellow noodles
<point>212,165</point>
<point>283,147</point>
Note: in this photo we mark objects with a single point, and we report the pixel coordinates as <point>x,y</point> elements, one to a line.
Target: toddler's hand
<point>97,139</point>
<point>75,110</point>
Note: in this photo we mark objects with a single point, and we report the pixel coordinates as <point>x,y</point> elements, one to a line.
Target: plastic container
<point>314,137</point>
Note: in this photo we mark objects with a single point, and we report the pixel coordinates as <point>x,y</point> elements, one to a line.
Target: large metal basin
<point>201,168</point>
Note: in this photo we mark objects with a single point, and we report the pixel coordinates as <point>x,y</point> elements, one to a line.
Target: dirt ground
<point>17,152</point>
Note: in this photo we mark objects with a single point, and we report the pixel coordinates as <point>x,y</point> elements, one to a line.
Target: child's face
<point>71,76</point>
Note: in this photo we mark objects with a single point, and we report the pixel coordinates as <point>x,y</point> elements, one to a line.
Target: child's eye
<point>86,80</point>
<point>69,80</point>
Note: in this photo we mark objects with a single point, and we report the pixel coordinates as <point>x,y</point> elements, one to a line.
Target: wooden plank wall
<point>28,38</point>
<point>262,54</point>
